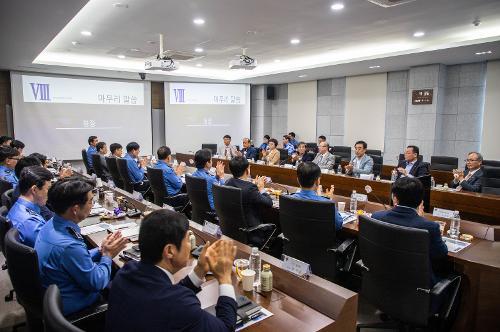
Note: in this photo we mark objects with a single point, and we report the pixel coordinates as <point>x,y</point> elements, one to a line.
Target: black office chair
<point>494,163</point>
<point>99,172</point>
<point>343,151</point>
<point>228,204</point>
<point>200,207</point>
<point>378,161</point>
<point>89,169</point>
<point>53,318</point>
<point>312,147</point>
<point>4,186</point>
<point>283,156</point>
<point>113,170</point>
<point>178,202</point>
<point>490,182</point>
<point>211,147</point>
<point>309,235</point>
<point>5,225</point>
<point>128,184</point>
<point>426,182</point>
<point>7,198</point>
<point>443,163</point>
<point>397,276</point>
<point>402,157</point>
<point>373,152</point>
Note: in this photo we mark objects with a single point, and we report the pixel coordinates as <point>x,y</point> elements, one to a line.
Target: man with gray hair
<point>470,178</point>
<point>324,159</point>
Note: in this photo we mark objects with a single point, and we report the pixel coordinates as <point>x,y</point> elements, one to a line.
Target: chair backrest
<point>402,157</point>
<point>86,162</point>
<point>343,151</point>
<point>426,182</point>
<point>24,273</point>
<point>5,225</point>
<point>309,229</point>
<point>96,164</point>
<point>312,147</point>
<point>490,182</point>
<point>7,198</point>
<point>283,154</point>
<point>443,163</point>
<point>155,176</point>
<point>399,272</point>
<point>53,318</point>
<point>378,161</point>
<point>196,188</point>
<point>373,152</point>
<point>4,186</point>
<point>113,170</point>
<point>211,147</point>
<point>494,163</point>
<point>123,171</point>
<point>228,204</point>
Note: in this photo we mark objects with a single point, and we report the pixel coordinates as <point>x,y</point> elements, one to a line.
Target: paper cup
<point>248,279</point>
<point>341,206</point>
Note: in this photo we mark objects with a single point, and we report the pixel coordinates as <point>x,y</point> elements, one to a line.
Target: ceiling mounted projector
<point>162,61</point>
<point>243,62</point>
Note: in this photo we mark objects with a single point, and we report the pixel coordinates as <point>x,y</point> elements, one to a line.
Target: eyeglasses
<point>14,158</point>
<point>470,160</point>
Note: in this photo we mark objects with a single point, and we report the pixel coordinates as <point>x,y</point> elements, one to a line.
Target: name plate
<point>296,266</point>
<point>443,213</point>
<point>212,229</point>
<point>366,176</point>
<point>261,162</point>
<point>288,166</point>
<point>361,197</point>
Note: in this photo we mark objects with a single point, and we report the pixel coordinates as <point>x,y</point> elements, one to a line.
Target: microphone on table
<point>368,190</point>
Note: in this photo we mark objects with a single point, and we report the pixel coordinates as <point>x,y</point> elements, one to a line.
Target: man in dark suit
<point>144,296</point>
<point>408,211</point>
<point>470,178</point>
<point>254,196</point>
<point>248,151</point>
<point>411,166</point>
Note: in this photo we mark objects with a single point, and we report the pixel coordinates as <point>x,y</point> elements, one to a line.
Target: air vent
<point>179,55</point>
<point>390,3</point>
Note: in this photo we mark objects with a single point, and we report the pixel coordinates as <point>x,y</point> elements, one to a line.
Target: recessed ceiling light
<point>135,50</point>
<point>151,42</point>
<point>199,21</point>
<point>86,33</point>
<point>277,60</point>
<point>120,5</point>
<point>199,65</point>
<point>337,6</point>
<point>484,52</point>
<point>198,50</point>
<point>294,41</point>
<point>121,56</point>
<point>373,67</point>
<point>302,76</point>
<point>75,43</point>
<point>419,34</point>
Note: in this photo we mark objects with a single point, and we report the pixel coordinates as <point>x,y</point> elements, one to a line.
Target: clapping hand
<point>220,256</point>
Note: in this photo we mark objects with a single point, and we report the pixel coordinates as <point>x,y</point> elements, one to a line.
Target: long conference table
<point>479,263</point>
<point>297,304</point>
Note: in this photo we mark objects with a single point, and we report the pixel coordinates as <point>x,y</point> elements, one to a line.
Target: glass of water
<point>454,230</point>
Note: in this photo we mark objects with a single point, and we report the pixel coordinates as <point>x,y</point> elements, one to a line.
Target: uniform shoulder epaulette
<point>74,233</point>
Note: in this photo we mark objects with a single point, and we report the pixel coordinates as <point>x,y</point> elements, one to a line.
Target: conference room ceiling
<point>332,43</point>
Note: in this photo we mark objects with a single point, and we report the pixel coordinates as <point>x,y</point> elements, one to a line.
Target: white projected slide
<point>197,113</point>
<point>55,115</point>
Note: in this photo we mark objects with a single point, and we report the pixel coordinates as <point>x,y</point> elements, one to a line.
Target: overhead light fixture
<point>484,52</point>
<point>121,56</point>
<point>120,5</point>
<point>294,41</point>
<point>199,65</point>
<point>75,43</point>
<point>198,50</point>
<point>135,50</point>
<point>277,60</point>
<point>337,6</point>
<point>419,34</point>
<point>199,21</point>
<point>373,67</point>
<point>302,76</point>
<point>86,33</point>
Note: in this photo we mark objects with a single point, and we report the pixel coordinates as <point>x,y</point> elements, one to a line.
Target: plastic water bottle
<point>339,169</point>
<point>433,182</point>
<point>255,265</point>
<point>354,202</point>
<point>454,230</point>
<point>394,175</point>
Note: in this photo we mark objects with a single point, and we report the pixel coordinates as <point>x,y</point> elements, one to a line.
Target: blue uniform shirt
<point>313,196</point>
<point>90,151</point>
<point>250,153</point>
<point>64,260</point>
<point>263,146</point>
<point>173,183</point>
<point>203,173</point>
<point>135,171</point>
<point>8,175</point>
<point>289,148</point>
<point>25,217</point>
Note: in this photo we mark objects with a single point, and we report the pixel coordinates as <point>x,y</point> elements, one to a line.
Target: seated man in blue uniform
<point>172,177</point>
<point>34,184</point>
<point>144,295</point>
<point>92,149</point>
<point>63,256</point>
<point>408,194</point>
<point>290,149</point>
<point>8,160</point>
<point>136,167</point>
<point>308,175</point>
<point>203,163</point>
